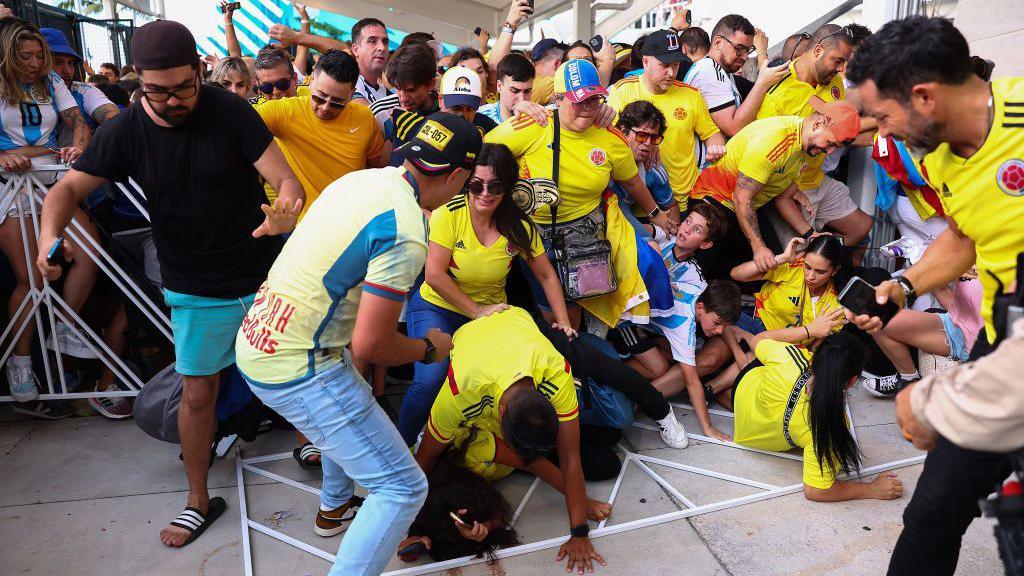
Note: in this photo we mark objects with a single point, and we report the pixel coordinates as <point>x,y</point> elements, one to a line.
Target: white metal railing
<point>44,304</point>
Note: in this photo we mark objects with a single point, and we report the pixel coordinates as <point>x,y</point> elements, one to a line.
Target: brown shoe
<point>333,522</point>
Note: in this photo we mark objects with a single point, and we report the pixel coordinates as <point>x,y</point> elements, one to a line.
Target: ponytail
<point>839,358</point>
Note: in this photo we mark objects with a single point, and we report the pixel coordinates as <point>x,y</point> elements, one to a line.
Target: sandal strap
<point>307,451</point>
<point>190,519</point>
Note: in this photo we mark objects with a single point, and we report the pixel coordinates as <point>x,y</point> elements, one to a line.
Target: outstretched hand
<point>281,217</point>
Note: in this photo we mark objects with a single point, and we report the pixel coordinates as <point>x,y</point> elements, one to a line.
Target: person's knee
<point>199,393</point>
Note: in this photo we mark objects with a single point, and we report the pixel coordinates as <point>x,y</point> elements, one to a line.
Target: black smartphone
<point>859,297</point>
<point>530,2</point>
<point>230,6</point>
<point>476,31</point>
<point>689,17</point>
<point>596,43</point>
<point>414,548</point>
<point>777,61</point>
<point>56,254</point>
<point>744,346</point>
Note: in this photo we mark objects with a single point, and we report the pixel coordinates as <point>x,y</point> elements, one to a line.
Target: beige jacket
<point>980,405</point>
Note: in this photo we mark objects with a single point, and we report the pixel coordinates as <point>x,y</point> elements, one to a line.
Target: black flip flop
<point>195,522</point>
<point>303,453</point>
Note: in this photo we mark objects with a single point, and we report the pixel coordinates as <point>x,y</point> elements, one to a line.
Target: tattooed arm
<point>73,121</point>
<point>105,112</point>
<point>743,199</point>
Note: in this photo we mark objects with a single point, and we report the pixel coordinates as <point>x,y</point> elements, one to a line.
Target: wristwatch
<point>810,232</point>
<point>909,293</point>
<point>653,213</point>
<point>428,356</point>
<point>508,27</point>
<point>580,531</point>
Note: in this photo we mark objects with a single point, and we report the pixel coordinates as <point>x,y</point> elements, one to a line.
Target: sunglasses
<point>268,87</point>
<point>476,187</point>
<point>592,102</point>
<point>738,47</point>
<point>845,30</point>
<point>643,137</point>
<point>320,101</point>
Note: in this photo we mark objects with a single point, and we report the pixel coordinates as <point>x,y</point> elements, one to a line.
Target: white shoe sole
<point>108,415</point>
<point>26,397</point>
<point>870,390</point>
<point>332,532</point>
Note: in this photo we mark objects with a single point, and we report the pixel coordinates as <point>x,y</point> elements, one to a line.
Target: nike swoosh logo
<point>352,130</point>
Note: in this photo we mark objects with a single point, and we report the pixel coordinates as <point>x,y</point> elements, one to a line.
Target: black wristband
<point>428,355</point>
<point>909,293</point>
<point>580,531</point>
<point>810,232</point>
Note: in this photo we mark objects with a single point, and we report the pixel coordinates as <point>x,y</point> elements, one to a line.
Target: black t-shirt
<point>684,67</point>
<point>743,85</point>
<point>203,192</point>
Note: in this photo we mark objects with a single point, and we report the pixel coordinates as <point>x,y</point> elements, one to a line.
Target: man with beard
<point>197,153</point>
<point>732,39</point>
<point>915,77</point>
<point>370,48</point>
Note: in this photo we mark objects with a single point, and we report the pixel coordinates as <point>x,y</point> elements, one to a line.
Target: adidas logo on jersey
<point>945,191</point>
<point>795,300</point>
<point>460,245</point>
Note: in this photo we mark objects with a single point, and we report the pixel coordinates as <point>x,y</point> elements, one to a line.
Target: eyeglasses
<point>183,93</point>
<point>268,87</point>
<point>592,102</point>
<point>476,187</point>
<point>845,30</point>
<point>738,47</point>
<point>643,137</point>
<point>320,101</point>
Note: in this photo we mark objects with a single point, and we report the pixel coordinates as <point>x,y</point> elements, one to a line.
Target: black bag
<point>584,264</point>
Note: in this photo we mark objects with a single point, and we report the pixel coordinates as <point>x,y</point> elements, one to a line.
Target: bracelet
<point>231,24</point>
<point>807,331</point>
<point>909,293</point>
<point>508,27</point>
<point>304,21</point>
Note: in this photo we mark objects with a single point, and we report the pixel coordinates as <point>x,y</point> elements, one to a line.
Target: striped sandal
<point>303,454</point>
<point>195,522</point>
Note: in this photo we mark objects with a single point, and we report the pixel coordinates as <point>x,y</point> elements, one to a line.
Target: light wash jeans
<point>337,412</point>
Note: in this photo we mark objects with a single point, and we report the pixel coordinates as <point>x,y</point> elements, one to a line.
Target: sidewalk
<point>87,496</point>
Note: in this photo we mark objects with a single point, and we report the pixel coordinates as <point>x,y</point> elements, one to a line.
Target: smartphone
<point>230,6</point>
<point>56,254</point>
<point>744,346</point>
<point>457,519</point>
<point>596,43</point>
<point>476,31</point>
<point>859,297</point>
<point>689,17</point>
<point>777,61</point>
<point>414,548</point>
<point>530,2</point>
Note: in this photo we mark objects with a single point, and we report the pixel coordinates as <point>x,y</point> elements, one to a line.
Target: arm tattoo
<point>104,113</point>
<point>73,119</point>
<point>746,190</point>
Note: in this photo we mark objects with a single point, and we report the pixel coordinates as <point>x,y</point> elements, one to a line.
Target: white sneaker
<point>70,343</point>
<point>22,382</point>
<point>672,432</point>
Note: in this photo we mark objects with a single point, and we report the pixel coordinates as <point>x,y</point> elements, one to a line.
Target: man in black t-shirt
<point>198,153</point>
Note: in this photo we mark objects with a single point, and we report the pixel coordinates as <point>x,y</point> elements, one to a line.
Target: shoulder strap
<point>556,151</point>
<point>794,397</point>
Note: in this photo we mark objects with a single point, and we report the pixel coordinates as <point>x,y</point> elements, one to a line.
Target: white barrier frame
<point>28,186</point>
<point>689,508</point>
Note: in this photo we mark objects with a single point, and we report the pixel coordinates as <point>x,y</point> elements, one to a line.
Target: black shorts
<point>736,383</point>
<point>631,340</point>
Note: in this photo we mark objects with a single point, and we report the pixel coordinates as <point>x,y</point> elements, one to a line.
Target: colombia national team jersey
<point>491,354</point>
<point>479,271</point>
<point>784,301</point>
<point>687,118</point>
<point>768,151</point>
<point>792,97</point>
<point>984,194</point>
<point>589,161</point>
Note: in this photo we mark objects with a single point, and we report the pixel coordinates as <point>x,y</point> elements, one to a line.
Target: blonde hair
<point>228,65</point>
<point>12,36</point>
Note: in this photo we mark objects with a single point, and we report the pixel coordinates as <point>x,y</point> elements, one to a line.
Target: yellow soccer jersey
<point>791,97</point>
<point>479,271</point>
<point>767,150</point>
<point>484,365</point>
<point>761,399</point>
<point>784,301</point>
<point>590,160</point>
<point>687,119</point>
<point>984,194</point>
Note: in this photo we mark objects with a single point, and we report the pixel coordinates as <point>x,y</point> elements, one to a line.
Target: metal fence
<point>97,40</point>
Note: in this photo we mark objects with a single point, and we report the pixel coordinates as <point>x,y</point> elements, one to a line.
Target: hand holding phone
<point>859,298</point>
<point>226,7</point>
<point>596,43</point>
<point>56,254</point>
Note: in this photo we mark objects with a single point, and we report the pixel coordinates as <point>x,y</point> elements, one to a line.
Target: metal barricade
<point>44,306</point>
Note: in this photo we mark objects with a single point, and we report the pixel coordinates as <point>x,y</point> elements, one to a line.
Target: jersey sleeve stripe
<point>384,291</point>
<point>781,147</point>
<point>451,381</point>
<point>432,427</point>
<point>569,415</point>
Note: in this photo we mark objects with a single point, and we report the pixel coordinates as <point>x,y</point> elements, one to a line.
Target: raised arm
<point>230,37</point>
<point>288,37</point>
<point>518,11</point>
<point>302,51</point>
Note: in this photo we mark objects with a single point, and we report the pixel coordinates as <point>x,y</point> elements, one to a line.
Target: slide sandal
<point>303,454</point>
<point>194,521</point>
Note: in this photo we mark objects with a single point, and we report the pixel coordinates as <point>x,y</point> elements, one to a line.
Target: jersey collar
<point>411,180</point>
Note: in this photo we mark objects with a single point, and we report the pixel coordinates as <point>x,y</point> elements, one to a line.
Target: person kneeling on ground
<point>788,399</point>
<point>509,381</point>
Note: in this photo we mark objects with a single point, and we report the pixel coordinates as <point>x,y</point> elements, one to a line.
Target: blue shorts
<point>955,338</point>
<point>204,331</point>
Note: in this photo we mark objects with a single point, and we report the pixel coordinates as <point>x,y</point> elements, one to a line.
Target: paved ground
<point>87,496</point>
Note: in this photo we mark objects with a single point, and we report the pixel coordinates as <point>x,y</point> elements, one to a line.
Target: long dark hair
<point>830,248</point>
<point>454,488</point>
<point>839,358</point>
<point>510,221</point>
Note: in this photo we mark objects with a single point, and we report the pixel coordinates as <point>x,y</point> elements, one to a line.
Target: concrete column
<point>583,20</point>
<point>995,30</point>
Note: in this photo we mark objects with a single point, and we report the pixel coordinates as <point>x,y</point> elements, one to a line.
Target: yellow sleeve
<point>274,114</point>
<point>543,89</point>
<point>703,125</point>
<point>754,163</point>
<point>516,133</point>
<point>623,164</point>
<point>772,352</point>
<point>769,107</point>
<point>536,246</point>
<point>783,272</point>
<point>558,386</point>
<point>442,228</point>
<point>617,98</point>
<point>816,476</point>
<point>445,416</point>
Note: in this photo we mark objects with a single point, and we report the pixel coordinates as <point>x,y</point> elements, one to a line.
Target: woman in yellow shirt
<point>788,399</point>
<point>800,288</point>
<point>474,239</point>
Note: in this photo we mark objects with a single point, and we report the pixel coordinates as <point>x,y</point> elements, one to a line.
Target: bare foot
<point>175,536</point>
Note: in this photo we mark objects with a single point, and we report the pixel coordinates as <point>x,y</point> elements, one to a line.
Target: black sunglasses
<point>268,87</point>
<point>477,186</point>
<point>320,100</point>
<point>845,30</point>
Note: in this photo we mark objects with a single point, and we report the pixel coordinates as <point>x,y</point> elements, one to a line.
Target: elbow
<point>433,278</point>
<point>813,494</point>
<point>365,348</point>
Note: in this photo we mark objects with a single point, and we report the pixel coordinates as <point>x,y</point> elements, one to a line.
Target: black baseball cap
<point>163,44</point>
<point>664,45</point>
<point>544,46</point>
<point>443,143</point>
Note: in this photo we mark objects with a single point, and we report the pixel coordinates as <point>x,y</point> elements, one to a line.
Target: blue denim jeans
<point>337,412</point>
<point>427,379</point>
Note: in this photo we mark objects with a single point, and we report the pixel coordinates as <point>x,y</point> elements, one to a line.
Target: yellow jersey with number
<point>768,151</point>
<point>589,161</point>
<point>479,271</point>
<point>792,97</point>
<point>687,118</point>
<point>784,301</point>
<point>984,194</point>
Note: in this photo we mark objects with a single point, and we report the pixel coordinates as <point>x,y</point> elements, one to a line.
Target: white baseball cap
<point>460,86</point>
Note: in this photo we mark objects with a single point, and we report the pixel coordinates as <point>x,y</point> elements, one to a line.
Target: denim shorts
<point>955,338</point>
<point>204,331</point>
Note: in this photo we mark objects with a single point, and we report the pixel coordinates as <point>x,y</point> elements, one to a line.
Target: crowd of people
<point>523,229</point>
